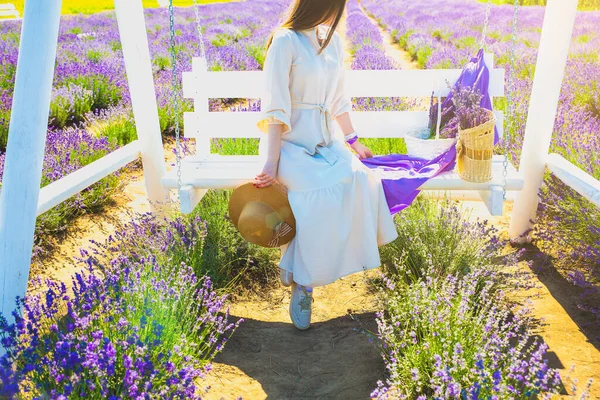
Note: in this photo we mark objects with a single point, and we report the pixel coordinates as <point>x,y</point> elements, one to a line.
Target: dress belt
<point>326,123</point>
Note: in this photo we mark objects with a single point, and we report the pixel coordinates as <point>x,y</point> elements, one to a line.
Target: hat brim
<point>274,195</point>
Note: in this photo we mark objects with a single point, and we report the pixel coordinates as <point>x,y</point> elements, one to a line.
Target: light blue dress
<point>341,213</point>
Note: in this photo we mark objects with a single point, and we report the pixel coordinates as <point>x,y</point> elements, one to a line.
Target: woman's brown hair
<point>307,14</point>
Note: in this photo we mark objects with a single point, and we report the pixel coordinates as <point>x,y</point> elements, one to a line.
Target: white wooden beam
<point>134,39</point>
<point>25,149</point>
<point>189,197</point>
<point>549,71</point>
<point>493,199</point>
<point>574,177</point>
<point>361,83</point>
<point>60,190</point>
<point>371,124</point>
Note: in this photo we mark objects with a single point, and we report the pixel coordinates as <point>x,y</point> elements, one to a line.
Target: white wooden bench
<point>204,170</point>
<point>8,11</point>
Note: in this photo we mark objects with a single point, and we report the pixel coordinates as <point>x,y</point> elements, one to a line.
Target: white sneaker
<point>300,306</point>
<point>287,277</point>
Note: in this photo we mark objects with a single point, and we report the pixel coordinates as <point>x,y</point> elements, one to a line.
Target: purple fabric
<point>474,75</point>
<point>401,175</point>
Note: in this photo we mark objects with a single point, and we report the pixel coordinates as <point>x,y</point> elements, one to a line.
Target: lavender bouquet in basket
<point>468,112</point>
<point>475,126</point>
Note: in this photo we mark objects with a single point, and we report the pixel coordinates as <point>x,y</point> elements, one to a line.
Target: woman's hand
<point>362,150</point>
<point>268,176</point>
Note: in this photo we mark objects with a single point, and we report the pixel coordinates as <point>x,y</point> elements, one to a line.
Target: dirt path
<point>268,358</point>
<point>392,48</point>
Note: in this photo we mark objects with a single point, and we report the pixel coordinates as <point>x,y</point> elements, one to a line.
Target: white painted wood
<point>9,14</point>
<point>134,40</point>
<point>8,10</point>
<point>60,190</point>
<point>553,50</point>
<point>361,83</point>
<point>493,199</point>
<point>462,195</point>
<point>370,124</point>
<point>189,197</point>
<point>574,177</point>
<point>226,172</point>
<point>25,149</point>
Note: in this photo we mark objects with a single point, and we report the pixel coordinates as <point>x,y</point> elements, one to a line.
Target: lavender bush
<point>204,240</point>
<point>136,325</point>
<point>447,331</point>
<point>435,240</point>
<point>449,337</point>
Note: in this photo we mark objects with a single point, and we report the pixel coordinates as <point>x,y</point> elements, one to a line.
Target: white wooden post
<point>25,148</point>
<point>134,40</point>
<point>549,71</point>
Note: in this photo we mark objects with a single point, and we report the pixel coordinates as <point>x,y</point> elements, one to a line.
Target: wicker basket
<point>417,144</point>
<point>474,151</point>
<point>427,148</point>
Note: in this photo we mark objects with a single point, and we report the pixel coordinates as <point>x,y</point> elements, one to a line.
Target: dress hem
<point>339,277</point>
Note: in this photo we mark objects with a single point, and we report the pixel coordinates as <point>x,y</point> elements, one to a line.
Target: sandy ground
<point>338,357</point>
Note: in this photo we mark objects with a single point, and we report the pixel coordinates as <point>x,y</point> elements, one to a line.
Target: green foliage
<point>4,122</point>
<point>385,146</point>
<point>588,97</point>
<point>69,105</point>
<point>466,42</point>
<point>220,40</point>
<point>403,39</point>
<point>55,221</point>
<point>75,31</point>
<point>583,4</point>
<point>441,35</point>
<point>94,55</point>
<point>118,128</point>
<point>235,146</point>
<point>104,92</point>
<point>224,39</point>
<point>166,118</point>
<point>434,239</point>
<point>257,52</point>
<point>226,256</point>
<point>162,63</point>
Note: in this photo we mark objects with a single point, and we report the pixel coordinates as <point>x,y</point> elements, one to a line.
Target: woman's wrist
<point>351,138</point>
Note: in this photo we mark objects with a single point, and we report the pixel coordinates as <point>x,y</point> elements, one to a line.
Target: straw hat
<point>263,216</point>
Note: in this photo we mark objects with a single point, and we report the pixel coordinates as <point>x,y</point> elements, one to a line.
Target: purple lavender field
<point>164,278</point>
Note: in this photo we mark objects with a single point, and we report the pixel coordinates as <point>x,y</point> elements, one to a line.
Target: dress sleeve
<point>341,100</point>
<point>276,101</point>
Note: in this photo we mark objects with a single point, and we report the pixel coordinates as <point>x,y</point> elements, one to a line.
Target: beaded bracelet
<point>351,138</point>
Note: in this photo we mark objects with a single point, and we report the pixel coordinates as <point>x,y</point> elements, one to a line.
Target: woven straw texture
<point>474,151</point>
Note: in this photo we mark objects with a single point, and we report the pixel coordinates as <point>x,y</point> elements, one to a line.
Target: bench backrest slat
<point>203,125</point>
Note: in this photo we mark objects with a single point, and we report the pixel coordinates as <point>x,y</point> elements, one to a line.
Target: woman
<point>339,206</point>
